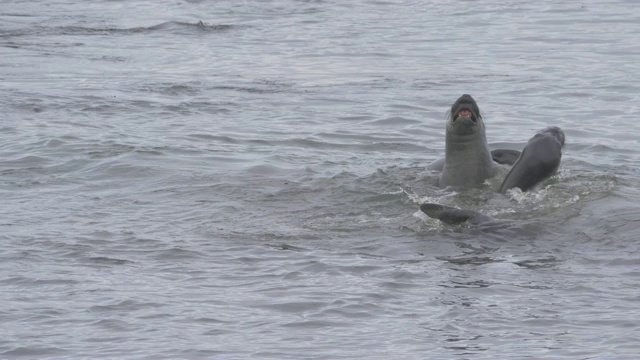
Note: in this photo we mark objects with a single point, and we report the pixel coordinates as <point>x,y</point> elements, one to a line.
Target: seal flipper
<point>451,215</point>
<point>539,160</point>
<point>505,156</point>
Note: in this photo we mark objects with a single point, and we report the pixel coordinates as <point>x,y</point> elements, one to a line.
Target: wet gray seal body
<point>468,161</point>
<point>451,215</point>
<point>539,159</point>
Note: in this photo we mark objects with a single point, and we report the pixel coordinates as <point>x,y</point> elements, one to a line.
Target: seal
<point>451,215</point>
<point>468,161</point>
<point>539,160</point>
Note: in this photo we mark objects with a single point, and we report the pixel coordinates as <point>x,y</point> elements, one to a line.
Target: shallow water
<point>241,179</point>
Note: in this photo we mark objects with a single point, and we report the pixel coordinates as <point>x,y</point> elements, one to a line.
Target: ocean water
<point>242,180</point>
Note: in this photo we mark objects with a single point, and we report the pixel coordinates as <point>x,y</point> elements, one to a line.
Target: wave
<point>169,26</point>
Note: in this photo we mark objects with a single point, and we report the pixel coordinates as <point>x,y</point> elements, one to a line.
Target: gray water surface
<point>242,179</point>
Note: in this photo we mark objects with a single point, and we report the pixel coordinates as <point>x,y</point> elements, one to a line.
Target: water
<point>241,179</point>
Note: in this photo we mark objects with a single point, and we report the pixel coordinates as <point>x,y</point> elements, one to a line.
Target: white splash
<point>531,197</point>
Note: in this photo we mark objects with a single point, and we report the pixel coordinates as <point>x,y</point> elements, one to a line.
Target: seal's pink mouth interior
<point>464,112</point>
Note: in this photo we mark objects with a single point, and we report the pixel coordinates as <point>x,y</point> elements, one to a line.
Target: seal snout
<point>465,107</point>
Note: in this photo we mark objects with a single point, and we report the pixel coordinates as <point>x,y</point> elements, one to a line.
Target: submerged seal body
<point>451,215</point>
<point>468,161</point>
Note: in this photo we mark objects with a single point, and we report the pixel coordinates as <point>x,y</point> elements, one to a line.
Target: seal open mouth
<point>465,113</point>
<point>466,107</point>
